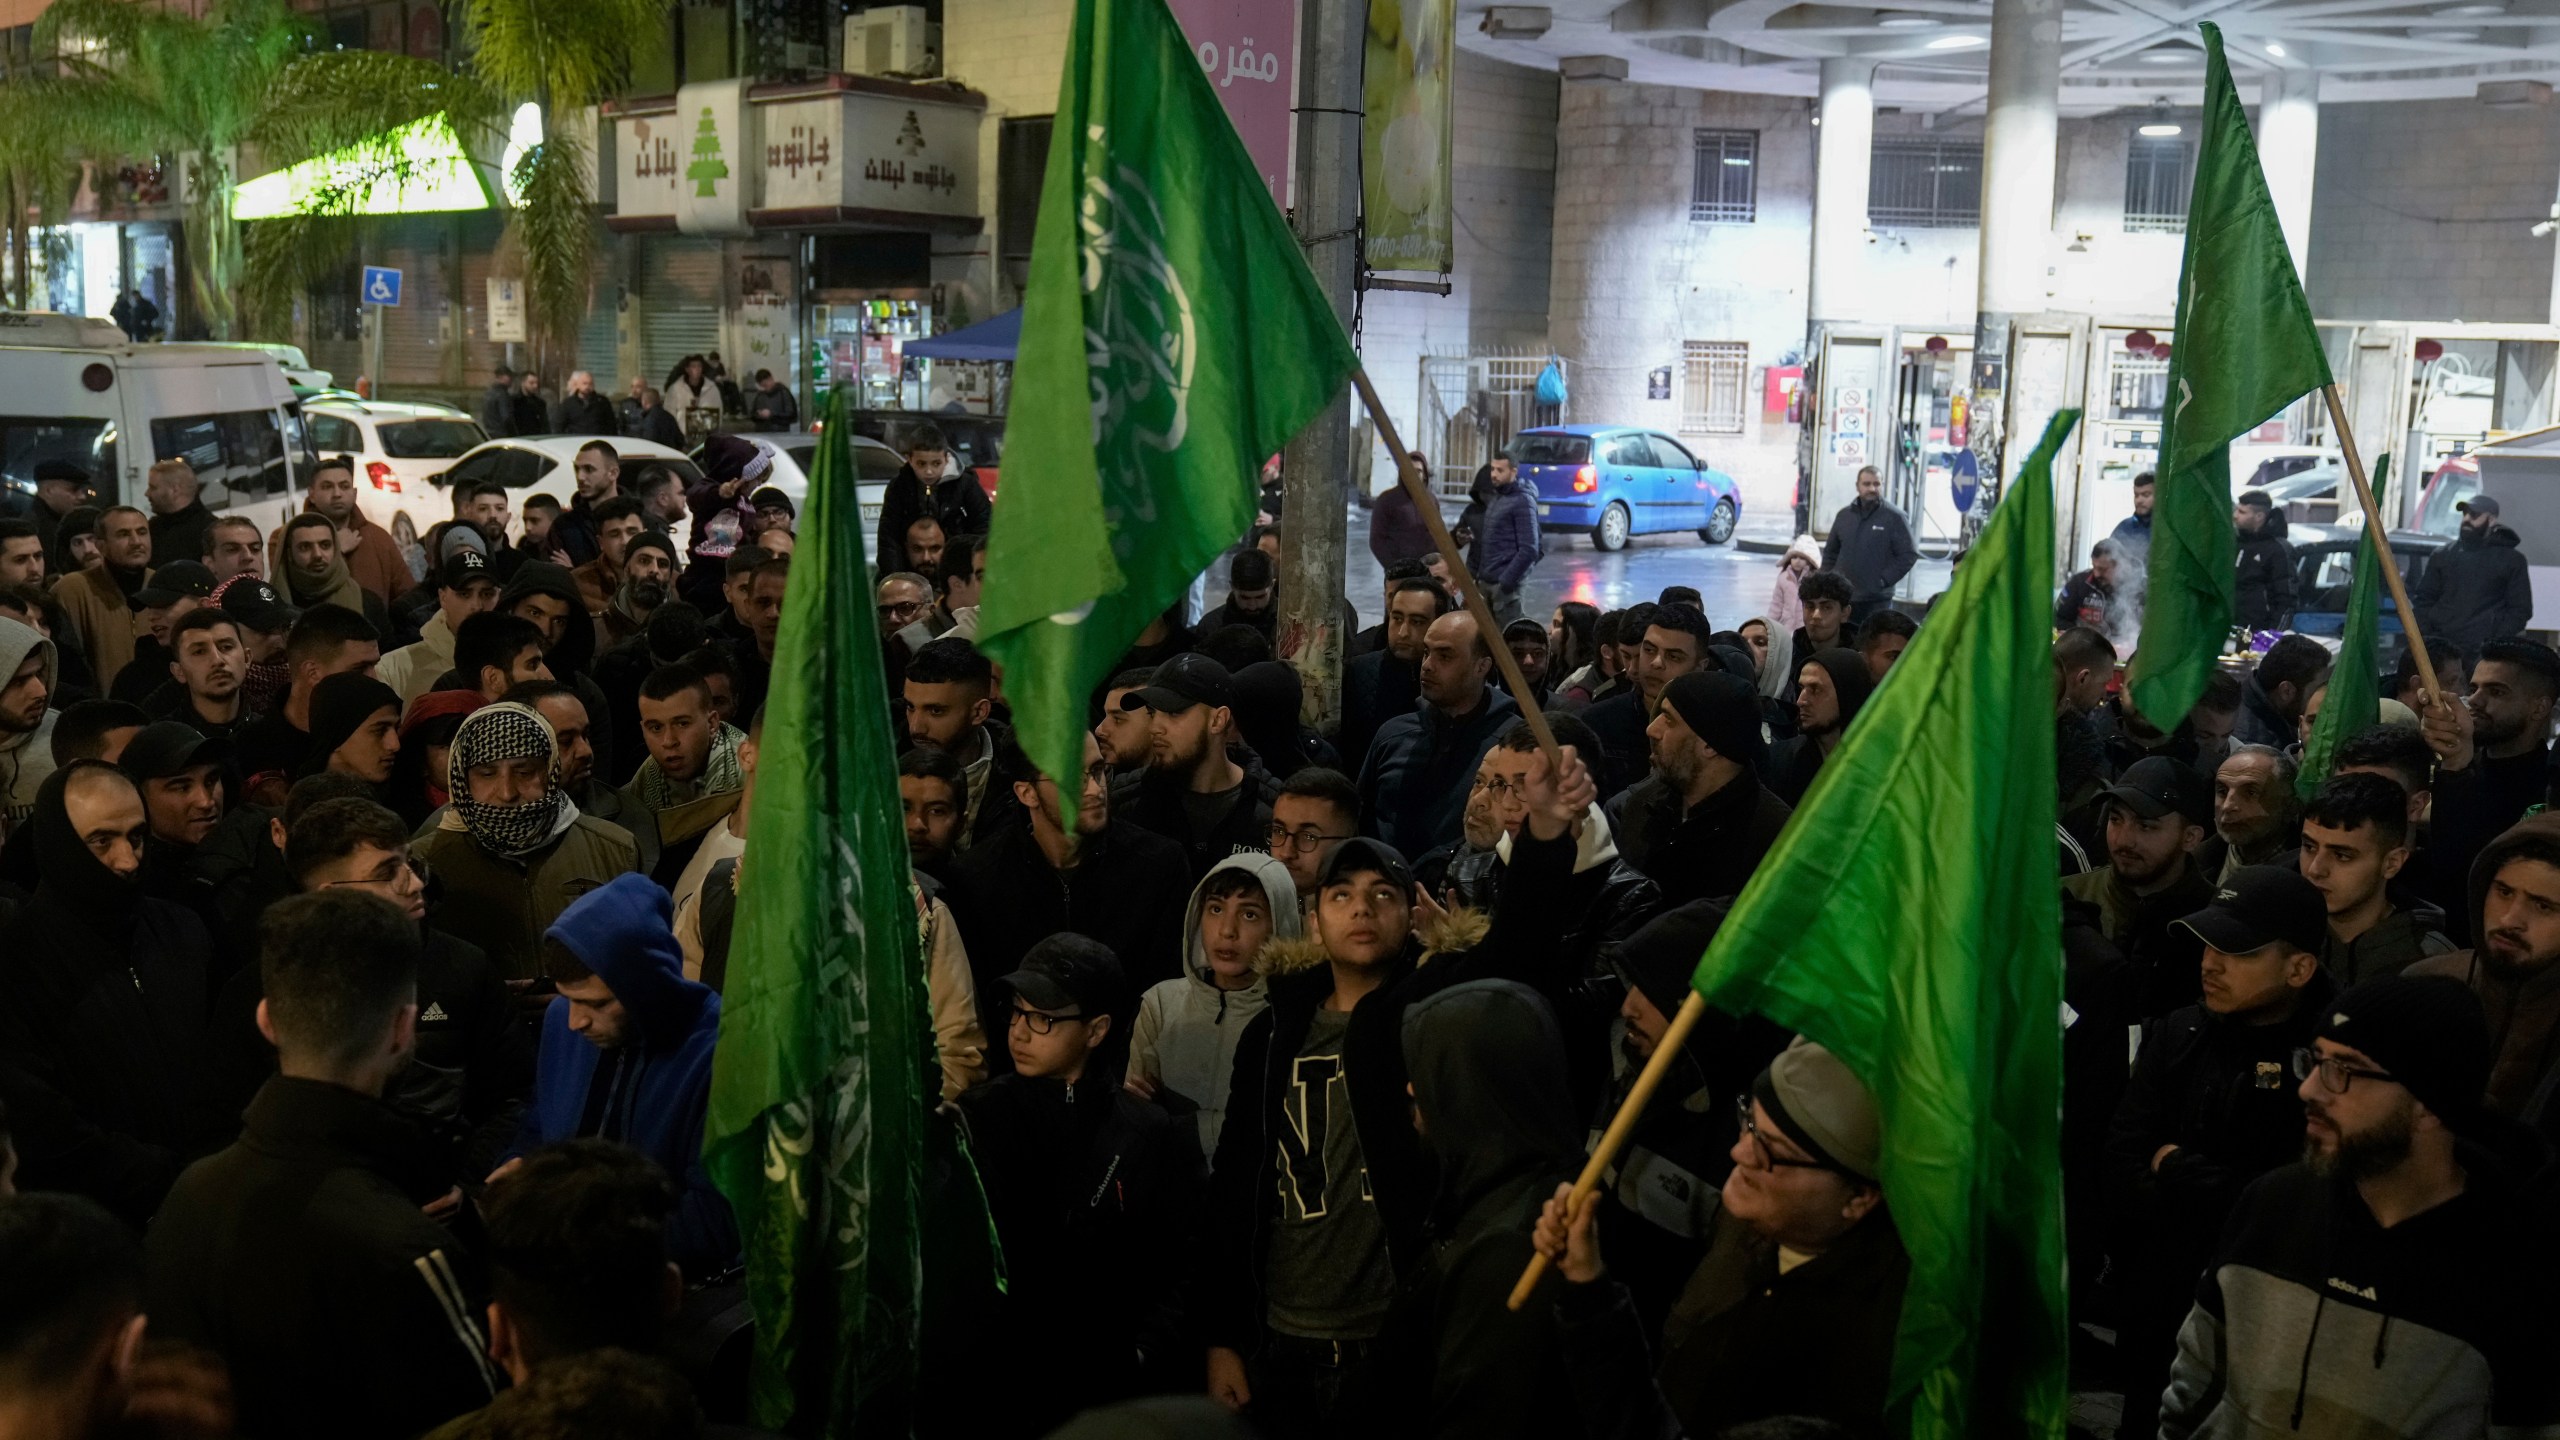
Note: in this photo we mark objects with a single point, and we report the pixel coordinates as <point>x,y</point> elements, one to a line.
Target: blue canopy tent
<point>993,339</point>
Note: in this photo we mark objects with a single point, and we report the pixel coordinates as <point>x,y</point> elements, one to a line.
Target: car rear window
<point>1551,449</point>
<point>438,439</point>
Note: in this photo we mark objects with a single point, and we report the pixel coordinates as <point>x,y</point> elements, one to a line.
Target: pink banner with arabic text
<point>1250,50</point>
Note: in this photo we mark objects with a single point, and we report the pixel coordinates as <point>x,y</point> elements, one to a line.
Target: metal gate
<point>1473,404</point>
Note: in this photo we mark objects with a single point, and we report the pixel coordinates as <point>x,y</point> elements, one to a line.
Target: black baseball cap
<point>254,603</point>
<point>1070,970</point>
<point>2160,786</point>
<point>1359,853</point>
<point>2261,905</point>
<point>1182,682</point>
<point>170,747</point>
<point>464,567</point>
<point>178,580</point>
<point>2478,505</point>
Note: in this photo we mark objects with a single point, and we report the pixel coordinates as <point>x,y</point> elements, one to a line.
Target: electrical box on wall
<point>892,40</point>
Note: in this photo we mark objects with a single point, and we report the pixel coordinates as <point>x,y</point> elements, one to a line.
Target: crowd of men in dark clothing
<point>361,959</point>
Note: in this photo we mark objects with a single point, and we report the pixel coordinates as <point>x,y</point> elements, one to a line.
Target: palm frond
<point>347,99</point>
<point>283,258</point>
<point>567,56</point>
<point>551,241</point>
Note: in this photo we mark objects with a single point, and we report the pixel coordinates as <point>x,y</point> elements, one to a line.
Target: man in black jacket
<point>1320,1191</point>
<point>1674,644</point>
<point>2283,682</point>
<point>301,1254</point>
<point>949,698</point>
<point>1700,823</point>
<point>2493,753</point>
<point>2476,589</point>
<point>1830,690</point>
<point>582,411</point>
<point>1381,685</point>
<point>2262,594</point>
<point>102,1006</point>
<point>1415,781</point>
<point>1199,788</point>
<point>2155,818</point>
<point>920,489</point>
<point>2211,1108</point>
<point>1870,543</point>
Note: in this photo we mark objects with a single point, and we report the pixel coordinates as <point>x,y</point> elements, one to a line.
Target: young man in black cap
<point>1319,1193</point>
<point>2211,1107</point>
<point>1200,787</point>
<point>2476,589</point>
<point>1084,1181</point>
<point>2156,816</point>
<point>183,777</point>
<point>207,668</point>
<point>1700,823</point>
<point>266,625</point>
<point>465,586</point>
<point>2392,1283</point>
<point>330,640</point>
<point>168,596</point>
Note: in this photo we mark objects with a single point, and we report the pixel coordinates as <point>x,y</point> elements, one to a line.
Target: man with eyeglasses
<point>2210,1107</point>
<point>1794,1309</point>
<point>2393,1282</point>
<point>1315,810</point>
<point>1085,1183</point>
<point>465,1084</point>
<point>903,598</point>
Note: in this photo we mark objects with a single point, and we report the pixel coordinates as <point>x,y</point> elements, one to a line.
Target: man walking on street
<point>1871,544</point>
<point>1510,544</point>
<point>2476,589</point>
<point>2262,595</point>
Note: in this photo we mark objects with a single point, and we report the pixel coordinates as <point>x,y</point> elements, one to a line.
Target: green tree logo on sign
<point>708,169</point>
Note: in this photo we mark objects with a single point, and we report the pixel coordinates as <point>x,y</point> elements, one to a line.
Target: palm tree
<point>140,78</point>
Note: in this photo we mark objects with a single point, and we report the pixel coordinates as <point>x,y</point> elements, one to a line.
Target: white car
<point>546,465</point>
<point>398,449</point>
<point>874,464</point>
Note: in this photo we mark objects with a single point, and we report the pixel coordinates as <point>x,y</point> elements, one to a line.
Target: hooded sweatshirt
<point>1185,1040</point>
<point>2523,1008</point>
<point>1794,762</point>
<point>651,1089</point>
<point>1487,1066</point>
<point>26,757</point>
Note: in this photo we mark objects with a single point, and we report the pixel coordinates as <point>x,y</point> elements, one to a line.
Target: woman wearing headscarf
<point>512,849</point>
<point>102,1006</point>
<point>426,741</point>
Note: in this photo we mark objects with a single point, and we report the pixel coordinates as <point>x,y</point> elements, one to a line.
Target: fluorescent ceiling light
<point>2167,57</point>
<point>1955,42</point>
<point>2475,7</point>
<point>418,169</point>
<point>2160,130</point>
<point>2276,48</point>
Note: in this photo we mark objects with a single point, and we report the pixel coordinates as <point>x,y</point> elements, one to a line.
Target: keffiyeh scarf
<point>501,732</point>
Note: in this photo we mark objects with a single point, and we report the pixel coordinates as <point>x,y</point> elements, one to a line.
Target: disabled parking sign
<point>381,285</point>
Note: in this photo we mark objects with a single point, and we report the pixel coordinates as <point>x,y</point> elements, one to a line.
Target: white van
<point>74,388</point>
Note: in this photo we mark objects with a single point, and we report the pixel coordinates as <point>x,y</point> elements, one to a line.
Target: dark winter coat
<point>1626,755</point>
<point>1745,1342</point>
<point>2412,931</point>
<point>498,409</point>
<point>2165,960</point>
<point>1376,688</point>
<point>180,536</point>
<point>1396,528</point>
<point>527,415</point>
<point>2475,590</point>
<point>959,502</point>
<point>1701,852</point>
<point>1128,889</point>
<point>300,1256</point>
<point>2262,591</point>
<point>1158,802</point>
<point>1510,543</point>
<point>588,414</point>
<point>2523,1010</point>
<point>1414,785</point>
<point>774,409</point>
<point>1871,544</point>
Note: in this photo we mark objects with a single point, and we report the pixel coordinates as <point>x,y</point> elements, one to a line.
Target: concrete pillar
<point>1314,465</point>
<point>2288,151</point>
<point>1843,154</point>
<point>2018,144</point>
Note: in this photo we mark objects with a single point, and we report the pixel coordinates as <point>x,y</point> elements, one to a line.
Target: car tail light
<point>1586,480</point>
<point>381,476</point>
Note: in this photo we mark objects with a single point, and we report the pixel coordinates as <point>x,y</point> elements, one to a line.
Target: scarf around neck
<point>721,773</point>
<point>508,731</point>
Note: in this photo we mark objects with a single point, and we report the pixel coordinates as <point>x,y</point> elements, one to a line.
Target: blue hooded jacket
<point>661,1081</point>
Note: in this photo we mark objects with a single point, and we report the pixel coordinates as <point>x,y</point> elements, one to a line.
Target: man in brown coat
<point>372,556</point>
<point>100,603</point>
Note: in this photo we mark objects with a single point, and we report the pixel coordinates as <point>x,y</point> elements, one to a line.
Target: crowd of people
<point>363,936</point>
<point>697,396</point>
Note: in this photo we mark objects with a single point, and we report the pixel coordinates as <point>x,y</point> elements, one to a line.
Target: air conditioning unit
<point>892,40</point>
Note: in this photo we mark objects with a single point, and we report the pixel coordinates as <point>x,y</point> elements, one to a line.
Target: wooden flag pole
<point>1423,500</point>
<point>1620,1126</point>
<point>2382,547</point>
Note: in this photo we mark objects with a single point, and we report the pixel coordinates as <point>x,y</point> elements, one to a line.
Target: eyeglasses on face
<point>1503,789</point>
<point>2335,1074</point>
<point>1041,1022</point>
<point>1766,1158</point>
<point>1305,837</point>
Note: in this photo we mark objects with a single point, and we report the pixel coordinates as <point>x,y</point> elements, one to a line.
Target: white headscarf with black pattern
<point>508,731</point>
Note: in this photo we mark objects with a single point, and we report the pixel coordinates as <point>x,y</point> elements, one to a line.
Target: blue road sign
<point>381,285</point>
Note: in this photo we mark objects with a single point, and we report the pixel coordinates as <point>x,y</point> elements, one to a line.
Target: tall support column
<point>1843,154</point>
<point>1315,464</point>
<point>2018,144</point>
<point>2289,151</point>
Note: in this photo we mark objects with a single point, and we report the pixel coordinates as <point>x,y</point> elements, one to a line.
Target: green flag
<point>2245,349</point>
<point>824,1076</point>
<point>2354,701</point>
<point>1908,920</point>
<point>1172,340</point>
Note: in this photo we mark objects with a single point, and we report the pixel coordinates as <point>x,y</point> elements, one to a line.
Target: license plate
<point>1546,510</point>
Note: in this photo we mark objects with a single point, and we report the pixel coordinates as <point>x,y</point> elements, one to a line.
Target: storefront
<point>790,227</point>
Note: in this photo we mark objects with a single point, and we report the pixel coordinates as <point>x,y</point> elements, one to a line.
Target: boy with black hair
<point>616,522</point>
<point>1883,638</point>
<point>696,766</point>
<point>327,640</point>
<point>541,514</point>
<point>1673,643</point>
<point>1083,1181</point>
<point>949,702</point>
<point>494,653</point>
<point>934,795</point>
<point>71,1319</point>
<point>300,1253</point>
<point>1316,809</point>
<point>207,669</point>
<point>1826,596</point>
<point>2355,844</point>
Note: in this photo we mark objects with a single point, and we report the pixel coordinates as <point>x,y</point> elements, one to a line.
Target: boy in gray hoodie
<point>1184,1044</point>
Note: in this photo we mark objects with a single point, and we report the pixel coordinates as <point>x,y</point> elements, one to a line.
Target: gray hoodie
<point>1185,1040</point>
<point>26,757</point>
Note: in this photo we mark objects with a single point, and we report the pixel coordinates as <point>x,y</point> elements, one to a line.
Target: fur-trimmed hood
<point>1442,932</point>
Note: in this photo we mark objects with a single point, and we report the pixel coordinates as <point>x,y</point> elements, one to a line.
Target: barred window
<point>1714,383</point>
<point>2155,184</point>
<point>1726,186</point>
<point>1923,183</point>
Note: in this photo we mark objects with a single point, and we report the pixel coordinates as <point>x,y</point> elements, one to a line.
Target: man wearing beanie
<point>2385,1285</point>
<point>1700,823</point>
<point>2210,1108</point>
<point>1794,1309</point>
<point>648,577</point>
<point>2514,965</point>
<point>355,729</point>
<point>1830,690</point>
<point>465,586</point>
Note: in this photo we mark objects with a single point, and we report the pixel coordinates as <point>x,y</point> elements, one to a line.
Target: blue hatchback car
<point>1619,481</point>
